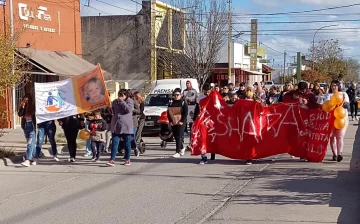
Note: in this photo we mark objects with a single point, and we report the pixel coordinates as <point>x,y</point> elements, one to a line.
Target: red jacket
<point>308,95</point>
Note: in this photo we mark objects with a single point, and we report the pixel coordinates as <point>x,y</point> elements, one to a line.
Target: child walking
<point>98,127</point>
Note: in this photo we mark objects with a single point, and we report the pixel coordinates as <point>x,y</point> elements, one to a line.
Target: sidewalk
<point>292,192</point>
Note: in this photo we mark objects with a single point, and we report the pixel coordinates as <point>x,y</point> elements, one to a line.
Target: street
<point>159,189</point>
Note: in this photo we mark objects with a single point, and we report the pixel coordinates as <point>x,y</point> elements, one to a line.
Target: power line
<point>306,11</point>
<point>346,28</point>
<point>115,6</point>
<point>315,21</point>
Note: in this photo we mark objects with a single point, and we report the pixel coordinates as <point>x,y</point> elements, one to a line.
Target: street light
<point>312,59</point>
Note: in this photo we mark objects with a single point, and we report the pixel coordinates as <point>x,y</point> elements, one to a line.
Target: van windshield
<point>157,100</point>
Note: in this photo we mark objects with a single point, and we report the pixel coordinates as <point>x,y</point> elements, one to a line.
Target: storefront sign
<point>27,14</point>
<point>253,45</point>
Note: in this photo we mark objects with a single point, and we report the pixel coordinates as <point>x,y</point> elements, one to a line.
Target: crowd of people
<point>120,126</point>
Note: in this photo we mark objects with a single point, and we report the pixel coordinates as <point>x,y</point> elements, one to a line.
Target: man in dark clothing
<point>241,93</point>
<point>352,93</point>
<point>304,94</point>
<point>177,115</point>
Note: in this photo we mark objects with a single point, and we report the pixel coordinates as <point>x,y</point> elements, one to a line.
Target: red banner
<point>248,130</point>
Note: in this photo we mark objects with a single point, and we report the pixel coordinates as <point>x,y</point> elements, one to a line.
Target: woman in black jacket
<point>177,115</point>
<point>71,126</point>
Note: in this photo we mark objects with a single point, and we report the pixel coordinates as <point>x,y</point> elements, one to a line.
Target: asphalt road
<point>159,189</point>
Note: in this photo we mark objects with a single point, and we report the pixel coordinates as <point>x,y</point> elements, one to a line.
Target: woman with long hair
<point>140,100</point>
<point>28,124</point>
<point>337,136</point>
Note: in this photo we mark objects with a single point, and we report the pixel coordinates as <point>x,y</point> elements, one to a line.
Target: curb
<point>11,161</point>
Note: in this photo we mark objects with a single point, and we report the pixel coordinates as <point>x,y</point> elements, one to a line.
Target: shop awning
<point>254,72</point>
<point>62,63</point>
<point>267,68</point>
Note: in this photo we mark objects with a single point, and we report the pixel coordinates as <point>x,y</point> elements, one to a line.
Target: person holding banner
<point>28,124</point>
<point>337,137</point>
<point>47,128</point>
<point>122,126</point>
<point>71,126</point>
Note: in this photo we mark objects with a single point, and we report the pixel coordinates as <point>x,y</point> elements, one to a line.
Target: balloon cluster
<point>84,134</point>
<point>336,101</point>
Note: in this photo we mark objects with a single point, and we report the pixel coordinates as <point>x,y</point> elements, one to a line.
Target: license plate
<point>149,123</point>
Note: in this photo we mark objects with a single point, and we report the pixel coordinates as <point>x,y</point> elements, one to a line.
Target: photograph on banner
<point>79,94</point>
<point>90,91</point>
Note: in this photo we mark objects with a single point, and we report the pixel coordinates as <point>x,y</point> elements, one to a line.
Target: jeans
<point>88,142</point>
<point>30,135</point>
<point>97,147</point>
<point>133,139</point>
<point>353,108</point>
<point>50,132</point>
<point>115,145</point>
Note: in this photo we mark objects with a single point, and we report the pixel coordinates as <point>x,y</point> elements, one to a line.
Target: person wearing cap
<point>177,115</point>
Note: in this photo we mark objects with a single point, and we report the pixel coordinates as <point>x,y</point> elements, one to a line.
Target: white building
<point>240,64</point>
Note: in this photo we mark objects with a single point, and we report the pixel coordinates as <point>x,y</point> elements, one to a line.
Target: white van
<point>159,98</point>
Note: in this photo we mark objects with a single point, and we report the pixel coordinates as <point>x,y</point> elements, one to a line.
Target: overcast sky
<point>275,41</point>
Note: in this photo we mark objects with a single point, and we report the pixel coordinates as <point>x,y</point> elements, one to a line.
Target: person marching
<point>337,136</point>
<point>190,95</point>
<point>177,115</point>
<point>140,100</point>
<point>122,126</point>
<point>28,122</point>
<point>352,93</point>
<point>98,127</point>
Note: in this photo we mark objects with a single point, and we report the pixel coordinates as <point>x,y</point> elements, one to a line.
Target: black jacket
<point>352,94</point>
<point>241,94</point>
<point>21,113</point>
<point>183,107</point>
<point>72,123</point>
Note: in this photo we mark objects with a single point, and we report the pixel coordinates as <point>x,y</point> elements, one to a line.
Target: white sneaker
<point>71,160</point>
<point>34,162</point>
<point>356,118</point>
<point>182,152</point>
<point>26,163</point>
<point>56,159</point>
<point>176,155</point>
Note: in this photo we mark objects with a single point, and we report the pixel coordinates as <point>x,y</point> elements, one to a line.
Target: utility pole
<point>284,62</point>
<point>229,42</point>
<point>298,67</point>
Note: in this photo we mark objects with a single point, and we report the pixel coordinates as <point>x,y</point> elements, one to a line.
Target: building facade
<point>240,65</point>
<point>48,35</point>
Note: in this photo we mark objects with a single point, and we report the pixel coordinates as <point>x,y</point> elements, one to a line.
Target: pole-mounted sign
<point>253,45</point>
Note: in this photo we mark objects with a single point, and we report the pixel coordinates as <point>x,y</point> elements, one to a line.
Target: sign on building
<point>253,45</point>
<point>3,2</point>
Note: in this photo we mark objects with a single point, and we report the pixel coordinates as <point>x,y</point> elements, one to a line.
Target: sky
<point>275,41</point>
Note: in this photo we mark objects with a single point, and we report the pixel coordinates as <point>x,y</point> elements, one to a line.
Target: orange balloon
<point>84,135</point>
<point>337,98</point>
<point>340,113</point>
<point>328,106</point>
<point>339,123</point>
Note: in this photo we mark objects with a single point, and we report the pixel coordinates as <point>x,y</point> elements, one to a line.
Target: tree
<point>328,57</point>
<point>12,68</point>
<point>314,76</point>
<point>353,70</point>
<point>205,34</point>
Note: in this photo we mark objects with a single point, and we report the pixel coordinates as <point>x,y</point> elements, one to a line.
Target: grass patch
<point>81,145</point>
<point>5,153</point>
<point>60,141</point>
<point>60,135</point>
